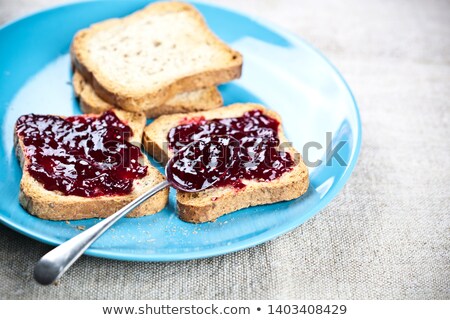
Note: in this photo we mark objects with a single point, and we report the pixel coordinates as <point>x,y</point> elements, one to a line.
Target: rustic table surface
<point>387,234</point>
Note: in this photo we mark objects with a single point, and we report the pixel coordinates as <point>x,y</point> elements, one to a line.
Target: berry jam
<point>81,156</point>
<point>227,151</point>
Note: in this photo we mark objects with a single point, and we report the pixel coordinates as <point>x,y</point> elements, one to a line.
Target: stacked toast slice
<point>162,59</point>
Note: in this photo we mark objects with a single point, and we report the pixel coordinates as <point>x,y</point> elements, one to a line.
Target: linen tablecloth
<point>386,235</point>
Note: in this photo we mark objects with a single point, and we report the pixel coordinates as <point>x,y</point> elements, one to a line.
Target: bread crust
<point>239,199</point>
<point>199,100</point>
<point>53,205</point>
<point>123,96</point>
<point>209,204</point>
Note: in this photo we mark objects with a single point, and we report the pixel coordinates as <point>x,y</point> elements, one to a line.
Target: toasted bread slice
<point>199,100</point>
<point>141,61</point>
<point>209,204</point>
<point>54,205</point>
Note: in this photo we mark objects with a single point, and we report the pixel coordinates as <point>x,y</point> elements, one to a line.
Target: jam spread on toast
<point>81,155</point>
<point>230,150</point>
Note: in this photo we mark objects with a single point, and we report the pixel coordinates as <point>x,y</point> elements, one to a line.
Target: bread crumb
<point>81,228</point>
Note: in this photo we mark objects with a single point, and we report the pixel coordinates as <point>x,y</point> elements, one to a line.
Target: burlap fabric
<point>387,234</point>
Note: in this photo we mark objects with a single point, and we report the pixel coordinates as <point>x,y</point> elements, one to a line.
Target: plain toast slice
<point>53,205</point>
<point>140,61</point>
<point>199,100</point>
<point>209,204</point>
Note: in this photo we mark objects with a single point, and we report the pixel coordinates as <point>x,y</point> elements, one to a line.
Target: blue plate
<point>280,71</point>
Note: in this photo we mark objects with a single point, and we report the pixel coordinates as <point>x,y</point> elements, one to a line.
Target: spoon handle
<point>53,265</point>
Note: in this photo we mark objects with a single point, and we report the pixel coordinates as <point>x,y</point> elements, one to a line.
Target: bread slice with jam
<point>211,203</point>
<point>53,204</point>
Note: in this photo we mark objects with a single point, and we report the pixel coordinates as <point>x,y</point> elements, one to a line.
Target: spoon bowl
<point>202,163</point>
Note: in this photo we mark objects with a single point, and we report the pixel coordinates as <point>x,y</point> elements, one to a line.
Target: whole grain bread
<point>140,61</point>
<point>209,204</point>
<point>199,100</point>
<point>54,205</point>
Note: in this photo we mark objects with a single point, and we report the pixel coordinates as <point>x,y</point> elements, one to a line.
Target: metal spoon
<point>56,262</point>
